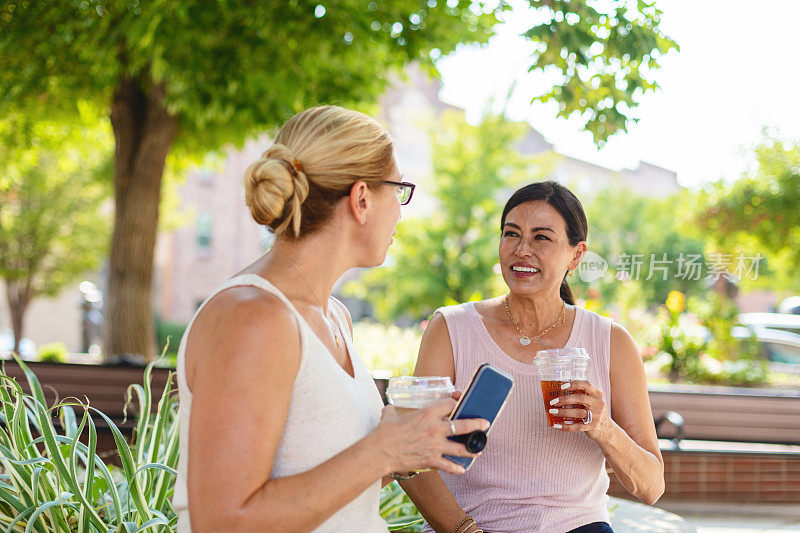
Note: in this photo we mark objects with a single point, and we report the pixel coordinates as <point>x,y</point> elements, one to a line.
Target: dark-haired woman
<point>533,477</point>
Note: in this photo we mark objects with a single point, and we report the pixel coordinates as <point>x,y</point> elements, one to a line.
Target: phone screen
<point>484,398</point>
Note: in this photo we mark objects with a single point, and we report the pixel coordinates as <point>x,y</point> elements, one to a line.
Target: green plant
<point>448,256</point>
<point>681,342</point>
<point>168,336</point>
<point>699,347</point>
<point>51,481</point>
<point>398,510</point>
<point>55,352</point>
<point>388,347</point>
<point>720,316</point>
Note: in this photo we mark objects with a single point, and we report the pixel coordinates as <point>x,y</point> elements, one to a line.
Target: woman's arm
<point>427,490</point>
<point>241,367</point>
<point>628,438</point>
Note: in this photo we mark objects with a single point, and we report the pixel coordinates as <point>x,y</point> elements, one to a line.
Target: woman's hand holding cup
<point>417,439</point>
<point>417,424</point>
<point>582,408</point>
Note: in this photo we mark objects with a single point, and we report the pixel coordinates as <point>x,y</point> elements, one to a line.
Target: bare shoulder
<point>436,330</point>
<point>622,343</point>
<point>489,308</point>
<point>436,350</point>
<point>627,372</point>
<point>237,326</point>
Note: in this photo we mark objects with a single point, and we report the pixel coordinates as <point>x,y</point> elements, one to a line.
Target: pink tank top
<point>530,477</point>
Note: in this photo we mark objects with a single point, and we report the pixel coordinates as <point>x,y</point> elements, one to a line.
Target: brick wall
<point>733,477</point>
<point>186,273</point>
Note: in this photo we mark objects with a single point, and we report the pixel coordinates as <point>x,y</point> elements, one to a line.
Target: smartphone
<point>485,397</point>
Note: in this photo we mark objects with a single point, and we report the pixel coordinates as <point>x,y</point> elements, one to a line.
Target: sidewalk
<point>633,517</point>
<point>737,518</point>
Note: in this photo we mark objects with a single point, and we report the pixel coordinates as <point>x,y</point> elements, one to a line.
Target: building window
<point>204,225</point>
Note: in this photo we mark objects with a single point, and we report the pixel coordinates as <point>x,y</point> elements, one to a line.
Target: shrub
<point>55,352</point>
<point>168,334</point>
<point>398,510</point>
<point>52,482</point>
<point>388,347</point>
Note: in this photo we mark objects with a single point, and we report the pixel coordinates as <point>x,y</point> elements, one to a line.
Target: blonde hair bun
<point>317,157</point>
<point>275,187</point>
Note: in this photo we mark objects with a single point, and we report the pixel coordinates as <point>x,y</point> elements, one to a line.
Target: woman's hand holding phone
<point>416,439</point>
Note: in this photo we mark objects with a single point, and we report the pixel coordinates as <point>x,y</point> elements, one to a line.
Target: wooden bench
<point>741,445</point>
<point>729,414</point>
<point>105,386</point>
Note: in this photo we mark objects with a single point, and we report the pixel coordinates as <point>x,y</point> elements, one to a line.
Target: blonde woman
<point>282,427</point>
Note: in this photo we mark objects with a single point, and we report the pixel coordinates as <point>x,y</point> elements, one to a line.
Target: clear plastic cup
<point>408,393</point>
<point>411,392</point>
<point>556,367</point>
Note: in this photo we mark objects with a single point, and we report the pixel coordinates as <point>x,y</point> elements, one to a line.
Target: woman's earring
<point>571,273</point>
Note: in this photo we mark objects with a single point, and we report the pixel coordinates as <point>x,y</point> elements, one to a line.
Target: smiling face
<point>535,252</point>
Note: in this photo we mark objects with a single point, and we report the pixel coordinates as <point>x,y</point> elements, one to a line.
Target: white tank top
<point>329,411</point>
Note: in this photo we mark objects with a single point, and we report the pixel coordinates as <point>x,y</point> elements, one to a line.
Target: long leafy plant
<point>50,481</point>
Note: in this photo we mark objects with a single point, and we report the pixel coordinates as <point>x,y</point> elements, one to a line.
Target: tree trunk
<point>143,133</point>
<point>18,296</point>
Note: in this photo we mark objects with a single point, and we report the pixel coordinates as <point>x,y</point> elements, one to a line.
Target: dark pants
<point>594,527</point>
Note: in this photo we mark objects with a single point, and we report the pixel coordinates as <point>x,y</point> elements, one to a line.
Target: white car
<point>790,305</point>
<point>779,335</point>
<point>783,321</point>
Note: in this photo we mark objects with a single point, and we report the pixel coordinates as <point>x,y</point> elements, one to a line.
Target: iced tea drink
<point>556,367</point>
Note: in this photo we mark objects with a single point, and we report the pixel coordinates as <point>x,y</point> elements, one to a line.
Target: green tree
<point>605,56</point>
<point>181,78</point>
<point>626,229</point>
<point>449,256</point>
<point>760,212</point>
<point>52,228</point>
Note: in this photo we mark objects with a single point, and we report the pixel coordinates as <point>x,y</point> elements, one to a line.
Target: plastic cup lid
<point>558,355</point>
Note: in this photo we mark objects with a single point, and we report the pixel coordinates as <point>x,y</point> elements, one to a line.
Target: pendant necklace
<point>328,322</point>
<point>524,339</point>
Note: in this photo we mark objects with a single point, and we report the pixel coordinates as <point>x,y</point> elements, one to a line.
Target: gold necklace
<point>524,339</point>
<point>328,322</point>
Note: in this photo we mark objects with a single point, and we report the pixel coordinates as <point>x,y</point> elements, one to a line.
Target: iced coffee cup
<point>556,367</point>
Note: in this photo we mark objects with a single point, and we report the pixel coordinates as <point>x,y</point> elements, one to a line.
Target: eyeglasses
<point>405,190</point>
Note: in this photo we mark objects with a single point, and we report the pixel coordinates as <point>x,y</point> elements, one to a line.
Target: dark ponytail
<point>566,292</point>
<point>567,204</point>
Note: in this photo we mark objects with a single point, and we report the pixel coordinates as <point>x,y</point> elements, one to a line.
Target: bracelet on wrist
<point>467,520</point>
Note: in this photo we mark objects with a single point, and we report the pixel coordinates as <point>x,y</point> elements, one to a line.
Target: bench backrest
<point>737,415</point>
<point>104,386</point>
